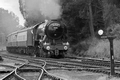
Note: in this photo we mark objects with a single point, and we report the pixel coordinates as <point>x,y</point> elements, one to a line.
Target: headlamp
<point>65,47</point>
<point>48,47</point>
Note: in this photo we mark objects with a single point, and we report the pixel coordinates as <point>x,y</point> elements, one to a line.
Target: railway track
<point>31,69</point>
<point>99,62</point>
<point>6,68</point>
<point>98,66</point>
<point>12,76</point>
<point>92,65</point>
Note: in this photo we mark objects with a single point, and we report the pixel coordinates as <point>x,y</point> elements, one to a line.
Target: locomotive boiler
<point>46,39</point>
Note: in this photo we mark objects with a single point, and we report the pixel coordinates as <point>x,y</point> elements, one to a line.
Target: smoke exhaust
<point>50,9</point>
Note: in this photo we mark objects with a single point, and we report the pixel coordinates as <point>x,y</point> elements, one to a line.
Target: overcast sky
<point>12,6</point>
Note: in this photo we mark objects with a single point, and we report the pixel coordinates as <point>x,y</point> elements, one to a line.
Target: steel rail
<point>14,72</point>
<point>27,61</point>
<point>86,67</point>
<point>36,66</point>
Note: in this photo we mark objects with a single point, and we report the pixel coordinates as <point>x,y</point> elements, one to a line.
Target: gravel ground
<point>10,62</point>
<point>2,75</point>
<point>30,75</point>
<point>80,75</point>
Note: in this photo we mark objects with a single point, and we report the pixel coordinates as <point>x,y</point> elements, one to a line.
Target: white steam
<point>50,8</point>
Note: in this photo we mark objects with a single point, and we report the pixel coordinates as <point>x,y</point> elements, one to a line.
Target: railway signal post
<point>110,38</point>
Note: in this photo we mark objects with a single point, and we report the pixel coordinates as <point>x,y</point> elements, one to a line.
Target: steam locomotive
<point>46,39</point>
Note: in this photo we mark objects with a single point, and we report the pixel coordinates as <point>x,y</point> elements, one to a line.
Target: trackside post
<point>110,38</point>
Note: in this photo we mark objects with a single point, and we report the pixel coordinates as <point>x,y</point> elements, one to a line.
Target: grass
<point>101,49</point>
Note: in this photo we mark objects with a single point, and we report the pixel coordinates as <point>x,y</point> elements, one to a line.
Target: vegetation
<point>78,14</point>
<point>83,17</point>
<point>8,24</point>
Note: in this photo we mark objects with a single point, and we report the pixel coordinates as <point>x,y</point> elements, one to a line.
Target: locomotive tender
<point>47,39</point>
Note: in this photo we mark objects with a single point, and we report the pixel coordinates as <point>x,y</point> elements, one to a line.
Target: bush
<point>81,48</point>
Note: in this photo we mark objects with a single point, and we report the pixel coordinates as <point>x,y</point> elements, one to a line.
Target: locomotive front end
<point>56,43</point>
